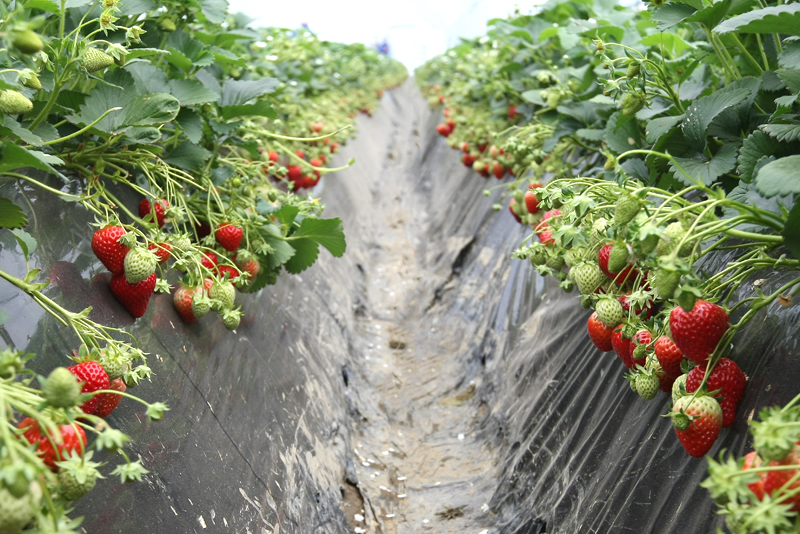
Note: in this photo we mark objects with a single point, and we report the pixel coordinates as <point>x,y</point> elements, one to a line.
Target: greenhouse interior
<point>485,267</point>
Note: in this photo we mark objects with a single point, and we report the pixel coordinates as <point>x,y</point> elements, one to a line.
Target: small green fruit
<point>14,103</point>
<point>94,60</point>
<point>27,42</point>
<point>61,390</point>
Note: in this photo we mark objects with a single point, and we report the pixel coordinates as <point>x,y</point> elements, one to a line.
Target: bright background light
<point>416,30</point>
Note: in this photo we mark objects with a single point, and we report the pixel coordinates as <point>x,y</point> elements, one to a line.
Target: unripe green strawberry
<point>632,102</point>
<point>181,244</point>
<point>574,255</point>
<point>588,277</point>
<point>673,234</point>
<point>17,512</point>
<point>224,293</point>
<point>555,262</point>
<point>201,305</point>
<point>611,163</point>
<point>114,363</point>
<point>538,258</point>
<point>648,244</point>
<point>626,209</point>
<point>139,263</point>
<point>633,69</point>
<point>618,257</point>
<point>77,476</point>
<point>679,387</point>
<point>30,79</point>
<point>94,60</point>
<point>167,25</point>
<point>61,389</point>
<point>553,99</point>
<point>231,319</point>
<point>609,311</point>
<point>647,384</point>
<point>14,103</point>
<point>27,42</point>
<point>666,282</point>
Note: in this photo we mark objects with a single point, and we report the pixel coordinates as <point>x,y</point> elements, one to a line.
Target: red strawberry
<point>645,313</point>
<point>443,130</point>
<point>775,480</point>
<point>251,266</point>
<point>73,438</point>
<point>203,229</point>
<point>699,434</point>
<point>94,377</point>
<point>464,147</point>
<point>133,296</point>
<point>467,159</point>
<point>623,347</point>
<point>183,302</point>
<point>482,147</point>
<point>232,273</point>
<point>162,251</point>
<point>323,159</point>
<point>229,236</point>
<point>334,147</point>
<point>726,377</point>
<point>643,337</point>
<point>300,154</point>
<point>752,460</point>
<point>315,162</point>
<point>512,112</point>
<point>209,260</point>
<point>599,333</point>
<point>145,209</point>
<point>697,333</point>
<point>498,170</point>
<point>109,401</point>
<point>108,249</point>
<point>530,202</point>
<point>441,99</point>
<point>294,172</point>
<point>451,124</point>
<point>511,204</point>
<point>628,274</point>
<point>669,356</point>
<point>272,156</point>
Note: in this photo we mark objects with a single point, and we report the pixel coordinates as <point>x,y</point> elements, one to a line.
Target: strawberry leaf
<point>700,114</point>
<point>26,242</point>
<point>327,232</point>
<point>773,19</point>
<point>707,170</point>
<point>11,215</point>
<point>791,231</point>
<point>306,253</point>
<point>779,177</point>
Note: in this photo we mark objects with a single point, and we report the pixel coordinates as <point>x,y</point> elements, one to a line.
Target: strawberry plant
<point>194,141</point>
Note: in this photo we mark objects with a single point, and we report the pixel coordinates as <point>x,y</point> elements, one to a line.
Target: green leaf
<point>26,242</point>
<point>533,96</point>
<point>783,132</point>
<point>17,157</point>
<point>658,127</point>
<point>773,19</point>
<point>11,215</point>
<point>707,171</point>
<point>791,231</point>
<point>711,16</point>
<point>187,156</point>
<point>238,92</point>
<point>306,253</point>
<point>191,92</point>
<point>146,110</point>
<point>327,232</point>
<point>214,10</point>
<point>779,177</point>
<point>261,109</point>
<point>12,127</point>
<point>45,5</point>
<point>755,146</point>
<point>286,214</point>
<point>791,77</point>
<point>281,251</point>
<point>622,139</point>
<point>671,42</point>
<point>790,57</point>
<point>700,114</point>
<point>191,124</point>
<point>136,7</point>
<point>671,14</point>
<point>590,134</point>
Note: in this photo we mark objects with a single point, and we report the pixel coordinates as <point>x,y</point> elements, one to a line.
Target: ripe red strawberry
<point>752,460</point>
<point>530,202</point>
<point>443,130</point>
<point>643,337</point>
<point>323,159</point>
<point>315,162</point>
<point>511,205</point>
<point>334,147</point>
<point>209,260</point>
<point>108,249</point>
<point>623,347</point>
<point>698,435</point>
<point>294,172</point>
<point>698,332</point>
<point>300,154</point>
<point>133,296</point>
<point>451,124</point>
<point>482,147</point>
<point>162,251</point>
<point>775,480</point>
<point>512,112</point>
<point>727,377</point>
<point>94,377</point>
<point>73,438</point>
<point>232,273</point>
<point>498,170</point>
<point>645,313</point>
<point>272,156</point>
<point>183,302</point>
<point>467,159</point>
<point>669,356</point>
<point>599,333</point>
<point>203,229</point>
<point>145,209</point>
<point>229,236</point>
<point>109,401</point>
<point>628,274</point>
<point>464,147</point>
